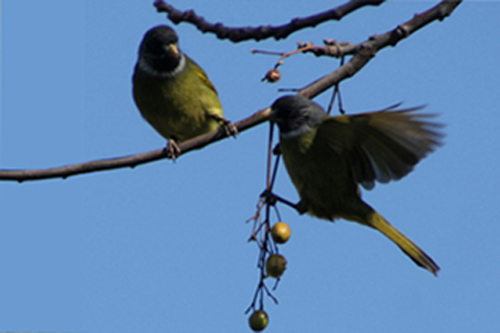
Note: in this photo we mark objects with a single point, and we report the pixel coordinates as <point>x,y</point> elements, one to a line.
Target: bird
<point>329,157</point>
<point>173,93</point>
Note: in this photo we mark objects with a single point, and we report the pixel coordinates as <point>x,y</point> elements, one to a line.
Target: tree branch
<point>262,32</point>
<point>362,54</point>
<point>132,160</point>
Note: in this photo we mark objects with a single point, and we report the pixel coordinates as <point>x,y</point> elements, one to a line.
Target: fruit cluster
<point>275,266</point>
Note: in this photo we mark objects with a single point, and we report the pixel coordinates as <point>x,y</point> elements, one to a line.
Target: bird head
<point>296,115</point>
<point>159,51</point>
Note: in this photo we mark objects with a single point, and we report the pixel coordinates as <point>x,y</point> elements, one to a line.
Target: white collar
<point>146,67</point>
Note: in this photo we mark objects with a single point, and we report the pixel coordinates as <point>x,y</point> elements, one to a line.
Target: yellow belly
<point>179,108</point>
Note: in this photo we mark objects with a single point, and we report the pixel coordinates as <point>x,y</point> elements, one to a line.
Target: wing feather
<point>383,145</point>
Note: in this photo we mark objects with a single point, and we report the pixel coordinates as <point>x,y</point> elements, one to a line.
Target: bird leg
<point>229,127</point>
<point>173,149</point>
<point>272,198</point>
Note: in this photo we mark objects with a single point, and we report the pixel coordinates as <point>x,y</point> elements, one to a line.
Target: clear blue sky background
<point>163,247</point>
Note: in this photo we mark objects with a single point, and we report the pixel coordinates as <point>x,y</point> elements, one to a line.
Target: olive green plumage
<point>327,157</point>
<point>171,91</point>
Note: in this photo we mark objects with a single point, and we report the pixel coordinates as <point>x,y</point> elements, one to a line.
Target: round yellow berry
<point>281,232</point>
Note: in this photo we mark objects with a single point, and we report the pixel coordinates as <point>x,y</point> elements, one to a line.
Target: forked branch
<point>362,53</point>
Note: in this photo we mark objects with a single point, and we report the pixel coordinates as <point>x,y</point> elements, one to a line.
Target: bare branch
<point>132,160</point>
<point>262,32</point>
<point>364,52</point>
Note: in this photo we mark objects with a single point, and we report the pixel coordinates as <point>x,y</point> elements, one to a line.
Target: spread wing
<point>383,145</point>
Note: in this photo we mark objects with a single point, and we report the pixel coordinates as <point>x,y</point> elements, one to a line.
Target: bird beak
<point>174,50</point>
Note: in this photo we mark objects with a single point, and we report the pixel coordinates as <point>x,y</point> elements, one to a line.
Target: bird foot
<point>277,149</point>
<point>229,127</point>
<point>173,149</point>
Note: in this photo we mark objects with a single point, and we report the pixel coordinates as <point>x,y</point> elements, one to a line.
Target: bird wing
<point>208,97</point>
<point>383,145</point>
<point>204,78</point>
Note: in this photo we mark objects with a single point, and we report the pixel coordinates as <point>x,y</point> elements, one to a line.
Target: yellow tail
<point>366,215</point>
<point>376,221</point>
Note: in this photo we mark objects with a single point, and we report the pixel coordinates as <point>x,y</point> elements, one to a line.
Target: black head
<point>159,49</point>
<point>296,114</point>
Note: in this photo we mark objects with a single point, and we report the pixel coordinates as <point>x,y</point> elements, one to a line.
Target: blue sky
<point>163,247</point>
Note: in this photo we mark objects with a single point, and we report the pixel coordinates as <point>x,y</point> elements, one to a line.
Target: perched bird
<point>327,157</point>
<point>172,92</point>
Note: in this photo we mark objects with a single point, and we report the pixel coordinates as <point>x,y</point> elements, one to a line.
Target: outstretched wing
<point>383,145</point>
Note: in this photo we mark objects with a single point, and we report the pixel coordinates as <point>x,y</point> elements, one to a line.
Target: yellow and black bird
<point>328,157</point>
<point>172,92</point>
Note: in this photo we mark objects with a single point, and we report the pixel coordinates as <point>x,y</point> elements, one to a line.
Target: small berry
<point>275,265</point>
<point>272,76</point>
<point>258,320</point>
<point>281,232</point>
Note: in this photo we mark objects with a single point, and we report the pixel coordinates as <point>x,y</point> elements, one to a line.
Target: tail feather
<point>376,221</point>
